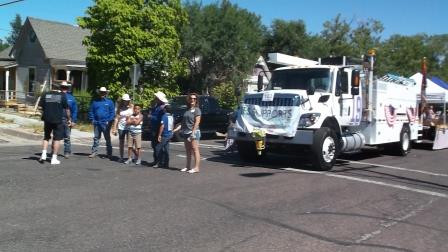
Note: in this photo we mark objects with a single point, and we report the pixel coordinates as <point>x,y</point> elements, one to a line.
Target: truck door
<point>345,99</point>
<point>350,105</point>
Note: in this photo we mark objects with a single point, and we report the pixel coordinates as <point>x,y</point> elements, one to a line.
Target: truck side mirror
<point>311,89</point>
<point>355,82</point>
<point>260,83</point>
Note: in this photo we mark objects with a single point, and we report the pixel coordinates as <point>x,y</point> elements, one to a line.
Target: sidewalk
<point>18,128</point>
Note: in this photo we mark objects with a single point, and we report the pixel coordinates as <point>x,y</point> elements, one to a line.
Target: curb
<point>21,134</point>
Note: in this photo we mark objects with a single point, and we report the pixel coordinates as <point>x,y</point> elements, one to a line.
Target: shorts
<point>135,137</point>
<point>196,135</point>
<point>56,128</point>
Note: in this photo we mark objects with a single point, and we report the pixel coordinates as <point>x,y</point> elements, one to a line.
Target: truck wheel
<point>325,149</point>
<point>247,151</point>
<point>404,146</point>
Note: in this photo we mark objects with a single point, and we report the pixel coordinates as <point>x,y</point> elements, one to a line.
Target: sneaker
<point>43,157</point>
<point>139,162</point>
<point>193,171</point>
<point>66,155</point>
<point>128,161</point>
<point>92,155</point>
<point>54,161</point>
<point>184,169</point>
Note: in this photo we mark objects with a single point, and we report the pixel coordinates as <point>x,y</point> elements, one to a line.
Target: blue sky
<point>405,17</point>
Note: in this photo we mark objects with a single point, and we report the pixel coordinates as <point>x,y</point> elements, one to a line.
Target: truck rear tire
<point>248,152</point>
<point>325,149</point>
<point>404,146</point>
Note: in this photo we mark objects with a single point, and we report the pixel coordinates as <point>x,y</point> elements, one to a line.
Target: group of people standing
<point>59,113</point>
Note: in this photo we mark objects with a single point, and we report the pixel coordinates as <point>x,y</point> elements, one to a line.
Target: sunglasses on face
<point>193,98</point>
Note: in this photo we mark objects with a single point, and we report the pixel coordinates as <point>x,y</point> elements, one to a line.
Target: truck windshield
<point>301,79</point>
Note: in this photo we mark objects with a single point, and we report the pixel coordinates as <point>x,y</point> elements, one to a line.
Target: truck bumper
<point>302,137</point>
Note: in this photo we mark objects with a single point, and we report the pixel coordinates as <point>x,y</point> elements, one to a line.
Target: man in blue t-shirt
<point>156,115</point>
<point>163,137</point>
<point>102,115</point>
<point>73,106</point>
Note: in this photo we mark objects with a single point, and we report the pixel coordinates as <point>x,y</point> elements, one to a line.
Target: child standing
<point>163,138</point>
<point>134,123</point>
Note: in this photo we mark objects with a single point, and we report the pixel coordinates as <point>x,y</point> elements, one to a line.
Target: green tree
<point>402,55</point>
<point>337,35</point>
<point>365,36</point>
<point>3,46</point>
<point>16,25</point>
<point>288,37</point>
<point>438,46</point>
<point>222,43</point>
<point>127,32</point>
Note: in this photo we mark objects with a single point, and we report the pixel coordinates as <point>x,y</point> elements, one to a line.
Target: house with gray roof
<point>45,52</point>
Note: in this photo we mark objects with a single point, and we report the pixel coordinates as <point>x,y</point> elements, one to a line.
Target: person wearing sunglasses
<point>189,129</point>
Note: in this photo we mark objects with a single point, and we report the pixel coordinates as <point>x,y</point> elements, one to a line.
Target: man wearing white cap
<point>156,116</point>
<point>73,106</point>
<point>102,114</point>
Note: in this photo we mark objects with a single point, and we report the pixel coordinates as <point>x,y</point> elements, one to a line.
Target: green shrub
<point>225,93</point>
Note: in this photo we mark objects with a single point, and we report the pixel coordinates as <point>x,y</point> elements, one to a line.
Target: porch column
<point>83,80</point>
<point>7,85</point>
<point>67,75</point>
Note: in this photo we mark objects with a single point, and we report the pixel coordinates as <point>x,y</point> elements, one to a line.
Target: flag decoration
<point>391,116</point>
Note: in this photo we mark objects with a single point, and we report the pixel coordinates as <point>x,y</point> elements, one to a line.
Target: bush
<point>84,98</point>
<point>225,93</point>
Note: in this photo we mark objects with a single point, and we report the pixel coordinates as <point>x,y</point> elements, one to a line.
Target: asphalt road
<point>368,202</point>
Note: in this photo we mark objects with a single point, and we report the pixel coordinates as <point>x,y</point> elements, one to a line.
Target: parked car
<point>214,118</point>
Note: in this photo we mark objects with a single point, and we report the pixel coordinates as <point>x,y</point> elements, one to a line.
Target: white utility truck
<point>327,108</point>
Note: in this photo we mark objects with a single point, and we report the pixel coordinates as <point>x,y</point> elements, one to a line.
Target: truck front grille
<point>276,102</point>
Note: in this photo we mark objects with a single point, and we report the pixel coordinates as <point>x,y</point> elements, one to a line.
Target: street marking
<point>397,168</point>
<point>392,222</point>
<point>437,194</point>
<point>207,146</point>
<point>184,156</point>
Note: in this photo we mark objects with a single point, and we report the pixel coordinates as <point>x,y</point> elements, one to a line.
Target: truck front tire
<point>325,149</point>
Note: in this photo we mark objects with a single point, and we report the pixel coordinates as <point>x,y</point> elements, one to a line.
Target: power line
<point>16,1</point>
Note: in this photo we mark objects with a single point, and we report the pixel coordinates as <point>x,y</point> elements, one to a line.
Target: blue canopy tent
<point>439,82</point>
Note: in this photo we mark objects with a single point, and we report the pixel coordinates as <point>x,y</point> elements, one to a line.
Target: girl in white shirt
<point>123,112</point>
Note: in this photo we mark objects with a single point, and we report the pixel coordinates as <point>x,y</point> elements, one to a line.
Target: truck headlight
<point>307,120</point>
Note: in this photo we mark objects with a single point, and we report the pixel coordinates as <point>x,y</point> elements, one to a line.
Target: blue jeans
<point>67,133</point>
<point>154,145</point>
<point>103,128</point>
<point>163,152</point>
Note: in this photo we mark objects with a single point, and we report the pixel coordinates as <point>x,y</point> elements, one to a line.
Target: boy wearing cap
<point>73,107</point>
<point>101,114</point>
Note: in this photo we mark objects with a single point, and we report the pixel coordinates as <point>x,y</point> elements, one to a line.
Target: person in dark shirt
<point>102,115</point>
<point>156,116</point>
<point>73,106</point>
<point>53,104</point>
